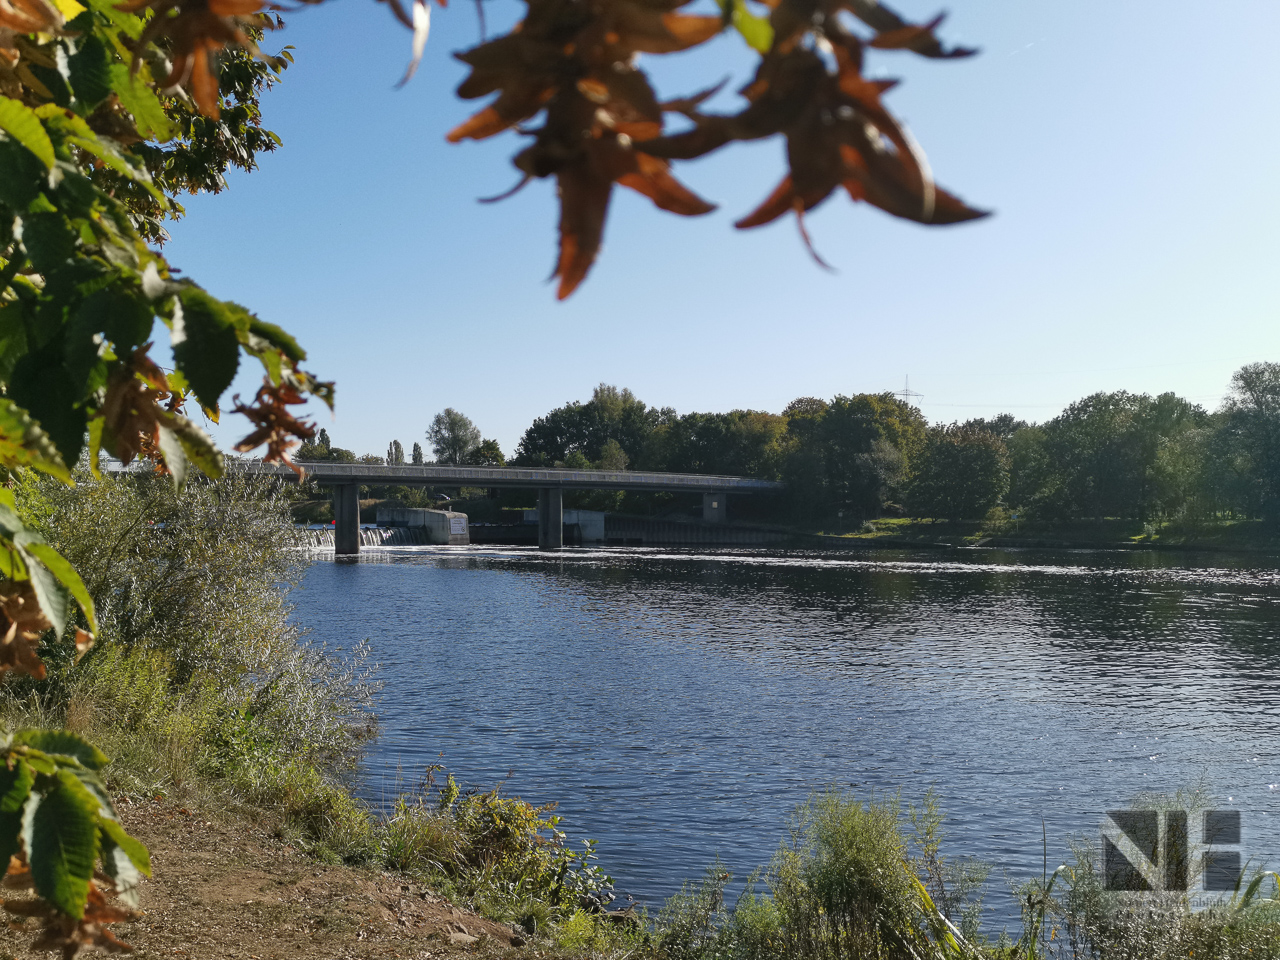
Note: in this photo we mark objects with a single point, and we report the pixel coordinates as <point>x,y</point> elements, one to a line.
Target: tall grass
<point>1071,914</point>
<point>852,880</point>
<point>201,688</point>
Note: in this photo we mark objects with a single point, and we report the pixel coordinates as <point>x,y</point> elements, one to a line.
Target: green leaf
<point>40,384</point>
<point>133,848</point>
<point>130,23</point>
<point>278,338</point>
<point>75,130</point>
<point>41,763</point>
<point>10,834</point>
<point>10,522</point>
<point>90,69</point>
<point>64,844</point>
<point>269,355</point>
<point>67,576</point>
<point>174,457</point>
<point>124,319</point>
<point>205,344</point>
<point>140,100</point>
<point>54,81</point>
<point>21,123</point>
<point>49,239</point>
<point>54,599</point>
<point>63,743</point>
<point>24,175</point>
<point>15,786</point>
<point>198,446</point>
<point>24,444</point>
<point>757,31</point>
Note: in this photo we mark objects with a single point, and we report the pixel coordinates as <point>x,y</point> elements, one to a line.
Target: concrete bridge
<point>347,478</point>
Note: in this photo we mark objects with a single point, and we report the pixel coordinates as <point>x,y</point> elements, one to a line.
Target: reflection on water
<point>679,704</point>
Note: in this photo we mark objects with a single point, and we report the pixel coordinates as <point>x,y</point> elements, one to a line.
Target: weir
<point>345,479</point>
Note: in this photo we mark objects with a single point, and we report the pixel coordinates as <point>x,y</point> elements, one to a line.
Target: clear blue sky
<point>1129,150</point>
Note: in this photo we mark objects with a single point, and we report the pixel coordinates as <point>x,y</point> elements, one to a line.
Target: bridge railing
<point>478,476</point>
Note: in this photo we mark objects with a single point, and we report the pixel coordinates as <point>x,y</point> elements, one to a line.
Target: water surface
<point>679,704</point>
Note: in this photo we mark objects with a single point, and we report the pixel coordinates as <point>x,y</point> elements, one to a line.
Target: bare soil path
<point>229,889</point>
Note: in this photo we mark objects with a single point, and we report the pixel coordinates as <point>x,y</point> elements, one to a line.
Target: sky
<point>1127,148</point>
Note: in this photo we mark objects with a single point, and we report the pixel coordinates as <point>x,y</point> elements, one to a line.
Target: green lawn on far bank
<point>1224,535</point>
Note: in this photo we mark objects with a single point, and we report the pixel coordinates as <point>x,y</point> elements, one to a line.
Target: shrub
<point>854,880</point>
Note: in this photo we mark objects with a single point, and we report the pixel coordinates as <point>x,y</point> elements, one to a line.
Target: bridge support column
<point>346,520</point>
<point>550,518</point>
<point>714,507</point>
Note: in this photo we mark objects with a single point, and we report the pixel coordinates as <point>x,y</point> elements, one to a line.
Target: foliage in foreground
<point>202,689</point>
<point>96,137</point>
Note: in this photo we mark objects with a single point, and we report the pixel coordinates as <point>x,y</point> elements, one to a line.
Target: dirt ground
<point>225,889</point>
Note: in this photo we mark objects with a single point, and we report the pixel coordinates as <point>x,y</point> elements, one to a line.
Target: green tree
<point>1252,430</point>
<point>487,453</point>
<point>1003,425</point>
<point>961,473</point>
<point>321,450</point>
<point>612,456</point>
<point>417,454</point>
<point>1103,453</point>
<point>868,443</point>
<point>453,437</point>
<point>1030,469</point>
<point>737,443</point>
<point>92,157</point>
<point>611,414</point>
<point>803,466</point>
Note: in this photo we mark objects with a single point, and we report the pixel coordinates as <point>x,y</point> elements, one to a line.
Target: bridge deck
<point>437,475</point>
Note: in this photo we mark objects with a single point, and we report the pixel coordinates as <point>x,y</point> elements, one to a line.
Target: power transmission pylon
<point>906,393</point>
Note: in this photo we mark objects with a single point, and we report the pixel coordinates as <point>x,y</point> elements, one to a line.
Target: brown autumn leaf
<point>895,33</point>
<point>84,643</point>
<point>276,426</point>
<point>838,133</point>
<point>576,61</point>
<point>19,17</point>
<point>561,44</point>
<point>587,145</point>
<point>792,18</point>
<point>22,623</point>
<point>30,16</point>
<point>195,31</point>
<point>69,935</point>
<point>131,409</point>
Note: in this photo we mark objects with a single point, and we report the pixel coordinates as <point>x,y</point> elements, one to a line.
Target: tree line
<point>854,458</point>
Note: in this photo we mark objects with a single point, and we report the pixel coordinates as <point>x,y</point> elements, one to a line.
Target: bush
<point>854,880</point>
<point>199,682</point>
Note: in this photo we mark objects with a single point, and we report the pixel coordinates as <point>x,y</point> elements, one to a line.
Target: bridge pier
<point>715,507</point>
<point>346,519</point>
<point>550,518</point>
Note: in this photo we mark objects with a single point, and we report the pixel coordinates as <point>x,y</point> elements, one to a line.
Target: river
<point>679,704</point>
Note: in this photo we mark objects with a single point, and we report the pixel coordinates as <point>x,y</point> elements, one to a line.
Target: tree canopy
<point>453,437</point>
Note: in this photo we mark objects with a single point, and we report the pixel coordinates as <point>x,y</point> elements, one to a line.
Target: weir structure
<point>345,479</point>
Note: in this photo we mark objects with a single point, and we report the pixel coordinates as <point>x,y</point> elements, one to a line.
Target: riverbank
<point>228,885</point>
<point>1228,536</point>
